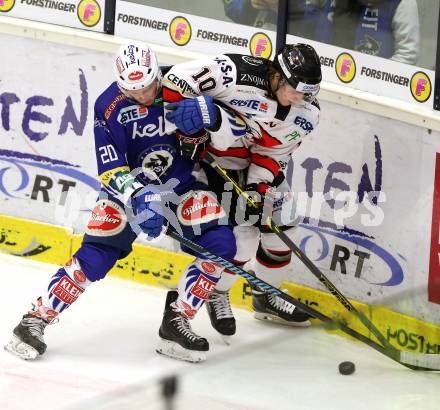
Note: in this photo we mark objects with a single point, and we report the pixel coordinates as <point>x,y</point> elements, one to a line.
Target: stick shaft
<point>415,361</point>
<point>393,354</point>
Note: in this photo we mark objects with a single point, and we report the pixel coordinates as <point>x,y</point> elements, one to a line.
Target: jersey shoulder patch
<point>251,71</point>
<point>109,100</point>
<point>306,118</point>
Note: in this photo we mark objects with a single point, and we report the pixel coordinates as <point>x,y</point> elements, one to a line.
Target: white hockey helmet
<point>136,66</point>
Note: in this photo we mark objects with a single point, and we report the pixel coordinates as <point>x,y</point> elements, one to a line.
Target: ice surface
<point>101,355</point>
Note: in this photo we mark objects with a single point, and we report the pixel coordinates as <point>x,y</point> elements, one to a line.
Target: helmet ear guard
<point>299,65</point>
<point>136,66</point>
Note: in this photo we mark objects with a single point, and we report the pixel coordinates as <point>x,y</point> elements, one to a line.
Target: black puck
<point>346,368</point>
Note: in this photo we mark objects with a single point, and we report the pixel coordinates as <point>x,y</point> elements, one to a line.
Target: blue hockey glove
<point>148,211</point>
<point>193,114</point>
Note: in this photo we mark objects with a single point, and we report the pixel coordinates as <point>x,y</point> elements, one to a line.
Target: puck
<point>346,368</point>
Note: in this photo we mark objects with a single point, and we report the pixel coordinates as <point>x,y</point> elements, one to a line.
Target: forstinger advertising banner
<point>364,184</point>
<point>84,14</point>
<point>190,32</point>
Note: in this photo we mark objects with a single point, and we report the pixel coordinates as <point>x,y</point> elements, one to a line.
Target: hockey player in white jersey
<point>260,111</point>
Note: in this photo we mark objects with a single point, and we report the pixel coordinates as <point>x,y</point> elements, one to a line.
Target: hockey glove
<point>147,208</point>
<point>193,146</point>
<point>193,114</point>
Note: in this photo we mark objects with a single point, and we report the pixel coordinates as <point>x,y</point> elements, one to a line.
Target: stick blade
<point>421,361</point>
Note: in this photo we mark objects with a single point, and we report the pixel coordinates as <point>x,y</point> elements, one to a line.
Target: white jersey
<point>254,131</point>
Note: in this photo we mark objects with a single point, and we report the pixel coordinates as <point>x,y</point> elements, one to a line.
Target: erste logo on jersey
<point>180,31</point>
<point>156,160</point>
<point>261,45</point>
<point>198,208</point>
<point>307,126</point>
<point>107,219</point>
<point>89,12</point>
<point>132,113</point>
<point>252,104</point>
<point>421,86</point>
<point>345,68</point>
<point>6,5</point>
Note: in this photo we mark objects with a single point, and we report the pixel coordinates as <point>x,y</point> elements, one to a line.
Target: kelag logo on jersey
<point>345,68</point>
<point>180,31</point>
<point>132,113</point>
<point>89,12</point>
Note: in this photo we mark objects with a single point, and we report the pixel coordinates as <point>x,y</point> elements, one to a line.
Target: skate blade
<point>267,317</point>
<point>21,349</point>
<point>175,351</point>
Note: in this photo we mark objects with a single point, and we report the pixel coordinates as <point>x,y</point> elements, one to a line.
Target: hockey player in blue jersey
<point>146,185</point>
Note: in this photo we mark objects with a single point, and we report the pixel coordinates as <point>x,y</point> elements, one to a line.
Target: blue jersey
<point>132,147</point>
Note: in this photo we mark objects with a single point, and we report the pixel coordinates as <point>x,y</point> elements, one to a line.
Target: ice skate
<point>177,340</point>
<point>273,308</point>
<point>27,342</point>
<point>220,314</point>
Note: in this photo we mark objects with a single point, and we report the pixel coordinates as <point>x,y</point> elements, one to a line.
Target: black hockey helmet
<point>299,65</point>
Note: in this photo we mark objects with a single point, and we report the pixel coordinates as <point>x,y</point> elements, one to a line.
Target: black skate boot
<point>273,308</point>
<point>177,338</point>
<point>220,314</point>
<point>28,342</point>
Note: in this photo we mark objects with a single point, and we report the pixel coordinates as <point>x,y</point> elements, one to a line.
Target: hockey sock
<point>196,285</point>
<point>270,265</point>
<point>228,278</point>
<point>90,263</point>
<point>64,288</point>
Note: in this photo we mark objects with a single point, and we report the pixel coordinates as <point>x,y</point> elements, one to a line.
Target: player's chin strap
<point>418,361</point>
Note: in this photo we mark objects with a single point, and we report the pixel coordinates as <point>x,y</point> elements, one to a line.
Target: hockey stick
<point>300,254</point>
<point>319,275</point>
<point>407,359</point>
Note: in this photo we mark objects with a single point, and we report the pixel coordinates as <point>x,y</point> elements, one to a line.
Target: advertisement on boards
<point>190,32</point>
<point>364,184</point>
<point>83,14</point>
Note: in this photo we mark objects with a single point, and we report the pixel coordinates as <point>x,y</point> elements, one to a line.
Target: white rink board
<point>392,239</point>
<point>190,32</point>
<point>49,115</point>
<point>356,70</point>
<point>36,122</point>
